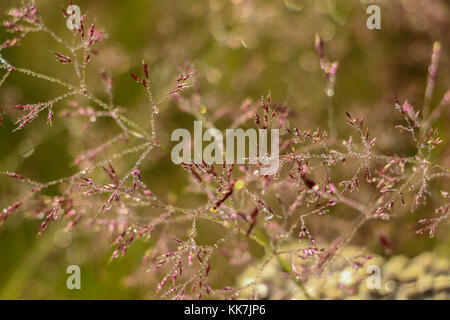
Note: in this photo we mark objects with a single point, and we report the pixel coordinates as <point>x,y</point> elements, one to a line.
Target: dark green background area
<point>239,53</point>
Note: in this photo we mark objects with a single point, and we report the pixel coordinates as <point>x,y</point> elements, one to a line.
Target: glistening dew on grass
<point>205,190</point>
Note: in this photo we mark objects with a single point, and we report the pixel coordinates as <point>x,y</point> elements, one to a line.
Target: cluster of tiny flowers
<point>245,207</point>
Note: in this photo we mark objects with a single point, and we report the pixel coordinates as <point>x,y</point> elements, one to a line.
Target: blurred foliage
<point>241,48</point>
<point>426,276</point>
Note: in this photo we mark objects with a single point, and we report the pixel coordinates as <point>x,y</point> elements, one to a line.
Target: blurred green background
<point>241,49</point>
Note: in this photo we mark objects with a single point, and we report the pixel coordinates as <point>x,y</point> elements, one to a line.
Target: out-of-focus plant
<point>320,175</point>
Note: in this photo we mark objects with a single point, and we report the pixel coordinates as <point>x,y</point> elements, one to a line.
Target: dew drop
<point>330,92</point>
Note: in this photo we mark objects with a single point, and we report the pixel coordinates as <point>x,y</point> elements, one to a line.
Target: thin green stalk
<point>283,264</point>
